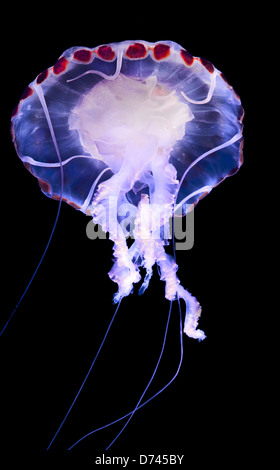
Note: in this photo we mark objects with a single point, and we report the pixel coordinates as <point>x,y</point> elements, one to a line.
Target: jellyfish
<point>136,132</point>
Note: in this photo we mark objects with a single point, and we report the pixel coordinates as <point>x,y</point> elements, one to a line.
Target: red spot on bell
<point>187,57</point>
<point>106,53</point>
<point>42,76</point>
<point>210,67</point>
<point>27,92</point>
<point>60,66</point>
<point>161,51</point>
<point>136,51</point>
<point>83,55</point>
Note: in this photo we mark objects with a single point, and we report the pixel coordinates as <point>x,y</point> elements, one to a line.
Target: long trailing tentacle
<point>149,383</point>
<point>86,377</point>
<point>147,401</point>
<point>45,108</point>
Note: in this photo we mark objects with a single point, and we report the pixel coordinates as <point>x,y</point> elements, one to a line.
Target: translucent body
<point>138,129</point>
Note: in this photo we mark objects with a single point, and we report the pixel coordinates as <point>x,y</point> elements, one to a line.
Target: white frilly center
<point>132,125</point>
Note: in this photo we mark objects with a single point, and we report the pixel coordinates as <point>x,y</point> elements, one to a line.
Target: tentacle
<point>86,377</point>
<point>102,74</point>
<point>229,142</point>
<point>59,164</point>
<point>209,94</point>
<point>33,162</point>
<point>149,383</point>
<point>92,189</point>
<point>152,397</point>
<point>36,269</point>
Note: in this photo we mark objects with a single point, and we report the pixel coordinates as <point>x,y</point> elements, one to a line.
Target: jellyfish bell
<point>140,124</point>
<point>138,131</point>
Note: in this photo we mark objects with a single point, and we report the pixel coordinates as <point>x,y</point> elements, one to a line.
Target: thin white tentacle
<point>209,152</point>
<point>102,74</point>
<point>209,95</point>
<point>33,162</point>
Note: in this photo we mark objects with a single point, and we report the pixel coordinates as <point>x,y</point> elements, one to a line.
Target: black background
<point>47,349</point>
